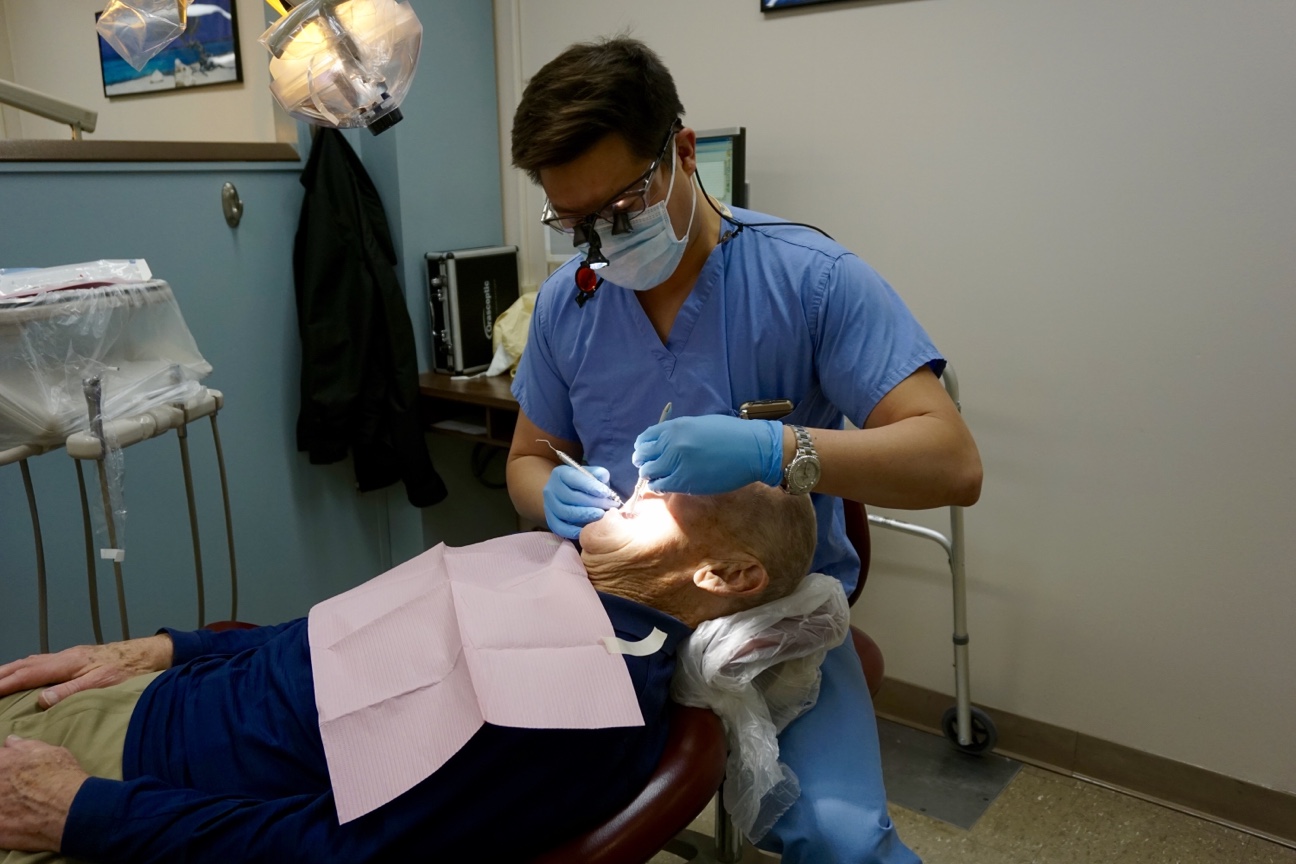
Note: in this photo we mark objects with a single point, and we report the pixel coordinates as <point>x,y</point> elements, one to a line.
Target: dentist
<point>675,298</point>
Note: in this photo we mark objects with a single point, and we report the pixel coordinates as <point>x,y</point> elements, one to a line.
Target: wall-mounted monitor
<point>722,163</point>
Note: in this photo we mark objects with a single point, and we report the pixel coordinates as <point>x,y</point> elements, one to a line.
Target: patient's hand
<point>37,784</point>
<point>85,667</point>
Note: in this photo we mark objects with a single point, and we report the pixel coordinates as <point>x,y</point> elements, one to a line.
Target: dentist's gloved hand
<point>572,500</point>
<point>709,455</point>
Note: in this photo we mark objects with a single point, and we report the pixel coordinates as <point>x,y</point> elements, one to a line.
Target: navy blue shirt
<point>223,762</point>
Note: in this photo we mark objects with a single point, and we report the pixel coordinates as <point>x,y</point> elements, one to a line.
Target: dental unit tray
<point>96,368</point>
<point>130,334</point>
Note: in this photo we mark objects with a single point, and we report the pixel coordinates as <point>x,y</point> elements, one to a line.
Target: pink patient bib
<point>409,665</point>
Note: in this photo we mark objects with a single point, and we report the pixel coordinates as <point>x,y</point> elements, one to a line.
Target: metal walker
<point>967,727</point>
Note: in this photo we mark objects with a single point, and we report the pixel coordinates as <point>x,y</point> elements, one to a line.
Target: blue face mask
<point>646,257</point>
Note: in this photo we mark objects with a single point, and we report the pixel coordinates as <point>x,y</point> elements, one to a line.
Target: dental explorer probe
<point>567,460</point>
<point>642,482</point>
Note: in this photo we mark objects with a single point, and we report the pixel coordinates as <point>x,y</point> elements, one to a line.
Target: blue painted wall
<point>438,174</point>
<point>302,531</point>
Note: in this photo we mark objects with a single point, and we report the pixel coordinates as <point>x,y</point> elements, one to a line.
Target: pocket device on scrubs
<point>765,409</point>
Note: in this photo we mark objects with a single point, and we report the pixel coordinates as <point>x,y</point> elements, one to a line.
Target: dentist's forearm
<point>915,463</point>
<point>526,477</point>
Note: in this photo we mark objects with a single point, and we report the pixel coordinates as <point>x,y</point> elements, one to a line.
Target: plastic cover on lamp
<point>139,29</point>
<point>344,63</point>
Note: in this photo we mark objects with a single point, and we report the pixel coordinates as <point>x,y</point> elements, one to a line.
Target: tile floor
<point>1048,818</point>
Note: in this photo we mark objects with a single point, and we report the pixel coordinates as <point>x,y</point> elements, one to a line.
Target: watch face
<point>803,474</point>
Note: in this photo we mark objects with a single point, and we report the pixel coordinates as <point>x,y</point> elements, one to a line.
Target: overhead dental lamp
<point>337,63</point>
<point>344,63</point>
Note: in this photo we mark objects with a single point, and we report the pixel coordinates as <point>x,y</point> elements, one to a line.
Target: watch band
<point>793,474</point>
<point>805,444</point>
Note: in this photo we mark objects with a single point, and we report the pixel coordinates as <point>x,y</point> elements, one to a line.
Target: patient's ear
<point>744,578</point>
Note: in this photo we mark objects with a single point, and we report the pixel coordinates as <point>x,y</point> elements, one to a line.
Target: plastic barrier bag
<point>759,670</point>
<point>22,281</point>
<point>508,338</point>
<point>512,327</point>
<point>130,336</point>
<point>108,509</point>
<point>139,29</point>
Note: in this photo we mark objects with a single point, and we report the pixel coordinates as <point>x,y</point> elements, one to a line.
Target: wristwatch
<point>802,473</point>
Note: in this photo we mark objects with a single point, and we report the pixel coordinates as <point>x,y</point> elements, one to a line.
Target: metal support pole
<point>950,380</point>
<point>182,432</point>
<point>229,523</point>
<point>728,839</point>
<point>112,544</point>
<point>89,552</point>
<point>962,677</point>
<point>94,400</point>
<point>42,598</point>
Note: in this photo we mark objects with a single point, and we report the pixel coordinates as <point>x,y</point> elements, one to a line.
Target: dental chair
<point>691,770</point>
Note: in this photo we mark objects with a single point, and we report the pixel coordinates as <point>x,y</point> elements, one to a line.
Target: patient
<point>202,746</point>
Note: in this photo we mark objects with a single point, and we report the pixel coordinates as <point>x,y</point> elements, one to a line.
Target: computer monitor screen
<point>722,164</point>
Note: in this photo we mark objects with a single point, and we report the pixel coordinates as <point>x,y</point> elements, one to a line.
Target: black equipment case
<point>467,291</point>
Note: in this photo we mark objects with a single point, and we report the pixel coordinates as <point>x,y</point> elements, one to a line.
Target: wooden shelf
<point>486,403</point>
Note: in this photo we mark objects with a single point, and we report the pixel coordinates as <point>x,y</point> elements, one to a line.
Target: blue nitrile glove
<point>709,455</point>
<point>572,500</point>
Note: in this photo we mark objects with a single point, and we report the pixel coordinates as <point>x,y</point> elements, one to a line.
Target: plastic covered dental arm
<point>129,334</point>
<point>759,670</point>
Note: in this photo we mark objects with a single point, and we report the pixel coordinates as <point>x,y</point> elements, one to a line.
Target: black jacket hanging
<point>359,373</point>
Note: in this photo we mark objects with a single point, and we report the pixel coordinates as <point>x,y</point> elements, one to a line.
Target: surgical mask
<point>647,256</point>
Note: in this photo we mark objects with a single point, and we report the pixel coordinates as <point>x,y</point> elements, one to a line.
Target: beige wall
<point>1091,208</point>
<point>51,47</point>
<point>8,116</point>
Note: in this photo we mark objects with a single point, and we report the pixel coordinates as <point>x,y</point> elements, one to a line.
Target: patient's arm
<point>145,821</point>
<point>544,784</point>
<point>85,667</point>
<point>191,644</point>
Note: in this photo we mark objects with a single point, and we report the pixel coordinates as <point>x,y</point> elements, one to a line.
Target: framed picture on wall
<point>206,53</point>
<point>776,5</point>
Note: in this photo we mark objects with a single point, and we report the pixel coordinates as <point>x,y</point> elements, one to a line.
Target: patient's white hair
<point>776,528</point>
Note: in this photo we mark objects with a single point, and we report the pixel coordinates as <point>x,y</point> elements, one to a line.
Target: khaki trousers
<point>91,724</point>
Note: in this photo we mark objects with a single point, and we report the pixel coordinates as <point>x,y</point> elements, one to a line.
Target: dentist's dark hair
<point>612,85</point>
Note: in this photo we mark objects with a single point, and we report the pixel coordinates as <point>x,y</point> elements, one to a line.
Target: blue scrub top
<point>778,312</point>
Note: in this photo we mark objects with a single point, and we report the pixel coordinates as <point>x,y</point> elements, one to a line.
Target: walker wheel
<point>984,733</point>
